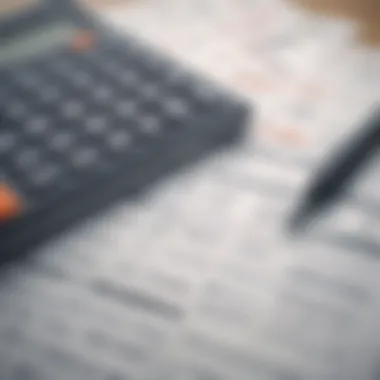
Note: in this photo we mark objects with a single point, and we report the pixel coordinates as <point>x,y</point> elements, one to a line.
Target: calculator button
<point>176,107</point>
<point>49,94</point>
<point>102,94</point>
<point>16,110</point>
<point>10,203</point>
<point>96,124</point>
<point>62,141</point>
<point>126,108</point>
<point>75,75</point>
<point>37,125</point>
<point>149,125</point>
<point>84,157</point>
<point>129,78</point>
<point>27,158</point>
<point>149,91</point>
<point>81,80</point>
<point>62,65</point>
<point>110,67</point>
<point>72,109</point>
<point>44,175</point>
<point>7,141</point>
<point>119,140</point>
<point>83,41</point>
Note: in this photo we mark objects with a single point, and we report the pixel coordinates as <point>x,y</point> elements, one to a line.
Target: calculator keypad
<point>70,115</point>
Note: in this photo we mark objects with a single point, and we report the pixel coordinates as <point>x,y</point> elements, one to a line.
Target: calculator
<point>88,116</point>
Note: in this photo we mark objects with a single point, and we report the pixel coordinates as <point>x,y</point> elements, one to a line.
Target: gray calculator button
<point>16,109</point>
<point>28,158</point>
<point>149,124</point>
<point>110,67</point>
<point>129,78</point>
<point>102,94</point>
<point>84,157</point>
<point>149,91</point>
<point>119,140</point>
<point>96,124</point>
<point>7,141</point>
<point>176,106</point>
<point>37,125</point>
<point>72,109</point>
<point>44,175</point>
<point>77,74</point>
<point>126,108</point>
<point>49,94</point>
<point>82,80</point>
<point>62,141</point>
<point>63,67</point>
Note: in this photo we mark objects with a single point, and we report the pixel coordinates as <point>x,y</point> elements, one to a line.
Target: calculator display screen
<point>35,42</point>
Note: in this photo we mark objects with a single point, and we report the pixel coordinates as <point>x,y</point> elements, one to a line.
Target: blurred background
<point>196,280</point>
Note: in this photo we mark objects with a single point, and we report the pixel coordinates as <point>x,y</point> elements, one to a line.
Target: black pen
<point>336,176</point>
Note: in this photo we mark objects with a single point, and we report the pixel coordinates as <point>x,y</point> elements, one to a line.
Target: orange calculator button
<point>83,41</point>
<point>10,203</point>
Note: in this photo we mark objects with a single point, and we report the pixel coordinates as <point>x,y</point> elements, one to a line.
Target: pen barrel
<point>349,159</point>
<point>334,177</point>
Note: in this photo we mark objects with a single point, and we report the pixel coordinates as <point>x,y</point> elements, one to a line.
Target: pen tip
<point>295,226</point>
<point>299,222</point>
